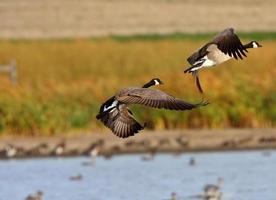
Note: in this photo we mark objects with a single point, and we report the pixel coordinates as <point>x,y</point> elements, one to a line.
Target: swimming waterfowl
<point>212,191</point>
<point>35,196</point>
<point>173,196</point>
<point>41,149</point>
<point>93,151</point>
<point>192,161</point>
<point>182,141</point>
<point>115,114</point>
<point>224,46</point>
<point>76,177</point>
<point>59,149</point>
<point>11,151</point>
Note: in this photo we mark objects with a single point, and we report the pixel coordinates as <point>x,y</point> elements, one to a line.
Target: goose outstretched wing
<point>155,99</point>
<point>226,41</point>
<point>229,43</point>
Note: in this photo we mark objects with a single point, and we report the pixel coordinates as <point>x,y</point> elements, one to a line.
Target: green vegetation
<point>62,83</point>
<point>198,36</point>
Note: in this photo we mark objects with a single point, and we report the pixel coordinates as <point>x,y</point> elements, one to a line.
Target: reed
<point>61,84</point>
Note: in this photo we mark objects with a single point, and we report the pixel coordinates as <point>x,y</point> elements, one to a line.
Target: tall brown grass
<point>62,84</point>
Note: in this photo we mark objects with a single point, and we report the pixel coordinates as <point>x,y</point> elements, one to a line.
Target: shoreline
<point>170,141</point>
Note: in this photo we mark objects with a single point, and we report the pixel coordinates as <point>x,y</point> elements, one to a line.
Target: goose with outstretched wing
<point>115,114</point>
<point>223,47</point>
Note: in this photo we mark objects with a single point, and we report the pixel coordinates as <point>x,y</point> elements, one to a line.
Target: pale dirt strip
<point>147,141</point>
<point>86,18</point>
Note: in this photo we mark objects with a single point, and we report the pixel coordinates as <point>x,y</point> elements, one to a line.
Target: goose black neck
<point>248,45</point>
<point>147,85</point>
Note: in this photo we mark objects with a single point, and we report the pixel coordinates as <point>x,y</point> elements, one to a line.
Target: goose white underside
<point>218,57</point>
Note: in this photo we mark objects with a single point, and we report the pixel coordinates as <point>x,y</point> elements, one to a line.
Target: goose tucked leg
<point>196,76</point>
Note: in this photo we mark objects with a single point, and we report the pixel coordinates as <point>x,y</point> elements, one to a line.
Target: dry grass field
<point>71,18</point>
<point>63,82</point>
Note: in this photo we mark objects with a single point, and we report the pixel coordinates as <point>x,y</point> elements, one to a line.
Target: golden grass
<point>62,83</point>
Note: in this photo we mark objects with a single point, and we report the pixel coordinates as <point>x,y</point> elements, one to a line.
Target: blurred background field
<point>72,55</point>
<point>62,83</point>
<point>72,18</point>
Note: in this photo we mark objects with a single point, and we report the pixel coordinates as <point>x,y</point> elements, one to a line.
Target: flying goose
<point>115,115</point>
<point>224,46</point>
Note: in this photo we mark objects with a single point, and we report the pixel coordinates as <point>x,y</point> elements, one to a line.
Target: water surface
<point>247,176</point>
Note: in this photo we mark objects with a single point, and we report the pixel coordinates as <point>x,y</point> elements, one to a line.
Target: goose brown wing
<point>198,54</point>
<point>154,98</point>
<point>229,43</point>
<point>121,122</point>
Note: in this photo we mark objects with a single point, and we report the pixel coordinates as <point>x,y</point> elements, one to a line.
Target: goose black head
<point>255,44</point>
<point>154,81</point>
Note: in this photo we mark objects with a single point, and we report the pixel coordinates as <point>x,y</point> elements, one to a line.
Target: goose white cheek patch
<point>255,45</point>
<point>156,82</point>
<point>114,104</point>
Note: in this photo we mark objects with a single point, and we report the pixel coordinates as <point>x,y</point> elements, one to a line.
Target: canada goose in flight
<point>115,115</point>
<point>224,46</point>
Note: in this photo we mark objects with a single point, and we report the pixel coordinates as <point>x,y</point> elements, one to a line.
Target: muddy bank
<point>164,141</point>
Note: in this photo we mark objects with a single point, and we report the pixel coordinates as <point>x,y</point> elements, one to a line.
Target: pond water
<point>248,175</point>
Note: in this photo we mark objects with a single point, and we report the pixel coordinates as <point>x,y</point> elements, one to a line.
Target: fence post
<point>13,72</point>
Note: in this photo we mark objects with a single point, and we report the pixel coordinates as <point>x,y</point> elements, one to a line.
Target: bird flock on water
<point>114,112</point>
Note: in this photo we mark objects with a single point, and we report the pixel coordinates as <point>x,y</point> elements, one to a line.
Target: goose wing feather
<point>197,55</point>
<point>229,43</point>
<point>155,99</point>
<point>121,122</point>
